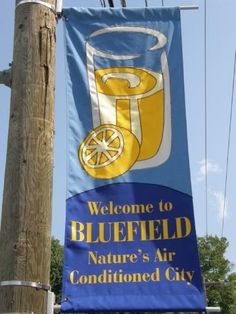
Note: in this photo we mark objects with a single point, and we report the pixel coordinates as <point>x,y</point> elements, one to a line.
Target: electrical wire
<point>205,101</point>
<point>228,147</point>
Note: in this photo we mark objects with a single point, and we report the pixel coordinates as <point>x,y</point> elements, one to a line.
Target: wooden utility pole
<point>25,234</point>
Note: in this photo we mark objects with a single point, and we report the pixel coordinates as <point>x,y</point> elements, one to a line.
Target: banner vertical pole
<point>123,3</point>
<point>25,235</point>
<point>111,3</point>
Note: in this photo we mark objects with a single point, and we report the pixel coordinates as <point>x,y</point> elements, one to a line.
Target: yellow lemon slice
<point>108,151</point>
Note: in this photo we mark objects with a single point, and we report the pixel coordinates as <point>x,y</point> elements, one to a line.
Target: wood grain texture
<point>25,235</point>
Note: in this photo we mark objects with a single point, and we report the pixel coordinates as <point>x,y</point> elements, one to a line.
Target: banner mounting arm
<point>59,5</point>
<point>189,7</point>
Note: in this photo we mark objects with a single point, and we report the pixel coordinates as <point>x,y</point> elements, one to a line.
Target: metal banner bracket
<point>56,9</point>
<point>36,285</point>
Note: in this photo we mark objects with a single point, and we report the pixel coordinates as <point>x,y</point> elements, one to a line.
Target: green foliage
<point>220,284</point>
<point>56,268</point>
<point>214,265</point>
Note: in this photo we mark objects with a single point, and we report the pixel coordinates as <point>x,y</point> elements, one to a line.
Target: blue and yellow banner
<point>130,235</point>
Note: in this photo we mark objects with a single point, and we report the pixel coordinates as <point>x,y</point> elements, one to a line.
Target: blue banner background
<point>167,183</point>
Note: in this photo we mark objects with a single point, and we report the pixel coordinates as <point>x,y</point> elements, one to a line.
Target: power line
<point>228,147</point>
<point>205,101</point>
